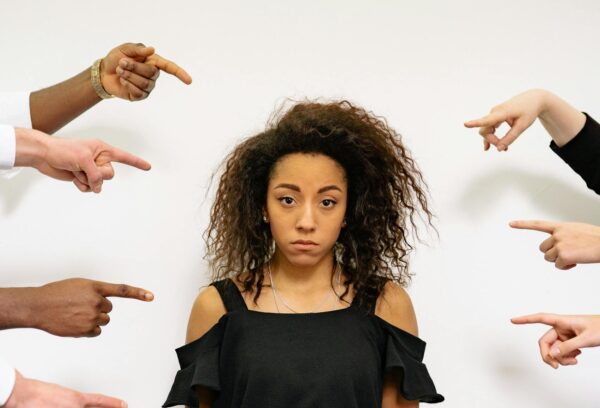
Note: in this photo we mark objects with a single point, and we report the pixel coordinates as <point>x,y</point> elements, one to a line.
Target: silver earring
<point>344,223</point>
<point>265,219</point>
<point>338,252</point>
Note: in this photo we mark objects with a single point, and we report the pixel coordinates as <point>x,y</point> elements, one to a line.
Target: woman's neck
<point>301,278</point>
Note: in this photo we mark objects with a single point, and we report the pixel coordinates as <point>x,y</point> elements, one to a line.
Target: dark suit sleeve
<point>582,153</point>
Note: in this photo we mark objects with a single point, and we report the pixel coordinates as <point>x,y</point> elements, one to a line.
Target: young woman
<point>308,240</point>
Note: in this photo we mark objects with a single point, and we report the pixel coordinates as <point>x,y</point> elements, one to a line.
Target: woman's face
<point>306,204</point>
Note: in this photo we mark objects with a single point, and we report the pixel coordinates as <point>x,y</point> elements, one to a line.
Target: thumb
<point>93,174</point>
<point>136,50</point>
<point>567,347</point>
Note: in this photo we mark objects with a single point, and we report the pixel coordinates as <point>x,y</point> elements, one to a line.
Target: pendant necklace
<point>278,298</point>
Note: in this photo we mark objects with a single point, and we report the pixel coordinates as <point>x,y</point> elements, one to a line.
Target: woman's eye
<point>328,203</point>
<point>287,200</point>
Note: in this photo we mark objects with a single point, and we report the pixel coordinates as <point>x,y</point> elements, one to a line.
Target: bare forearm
<point>52,108</point>
<point>562,121</point>
<point>16,308</point>
<point>31,146</point>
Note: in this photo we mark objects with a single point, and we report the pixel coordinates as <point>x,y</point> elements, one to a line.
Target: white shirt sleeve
<point>14,109</point>
<point>14,112</point>
<point>7,381</point>
<point>8,147</point>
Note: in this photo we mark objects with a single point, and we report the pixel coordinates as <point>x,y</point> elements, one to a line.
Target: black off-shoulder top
<point>330,359</point>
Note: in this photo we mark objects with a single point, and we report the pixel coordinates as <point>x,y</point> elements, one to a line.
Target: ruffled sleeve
<point>405,353</point>
<point>199,362</point>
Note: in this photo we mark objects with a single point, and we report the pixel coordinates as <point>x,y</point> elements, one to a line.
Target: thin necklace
<point>277,297</point>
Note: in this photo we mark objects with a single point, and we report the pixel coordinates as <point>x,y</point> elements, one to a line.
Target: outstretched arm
<point>32,393</point>
<point>128,71</point>
<point>566,337</point>
<point>70,308</point>
<point>561,120</point>
<point>85,162</point>
<point>569,243</point>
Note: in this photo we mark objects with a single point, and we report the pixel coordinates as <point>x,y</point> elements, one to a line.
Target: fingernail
<point>501,147</point>
<point>555,352</point>
<point>119,70</point>
<point>123,63</point>
<point>123,404</point>
<point>148,296</point>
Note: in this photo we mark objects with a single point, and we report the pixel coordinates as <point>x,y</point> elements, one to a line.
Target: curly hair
<point>386,193</point>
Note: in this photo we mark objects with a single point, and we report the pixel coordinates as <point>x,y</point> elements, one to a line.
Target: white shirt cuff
<point>14,109</point>
<point>7,381</point>
<point>8,147</point>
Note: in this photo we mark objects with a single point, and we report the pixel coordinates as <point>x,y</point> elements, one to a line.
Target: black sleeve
<point>582,153</point>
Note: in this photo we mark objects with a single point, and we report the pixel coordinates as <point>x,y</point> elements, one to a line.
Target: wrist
<point>543,99</point>
<point>18,308</point>
<point>97,75</point>
<point>31,147</point>
<point>14,401</point>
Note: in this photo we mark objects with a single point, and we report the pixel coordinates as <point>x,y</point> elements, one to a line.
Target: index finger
<point>121,156</point>
<point>535,225</point>
<point>544,318</point>
<point>169,67</point>
<point>493,119</point>
<point>102,401</point>
<point>123,291</point>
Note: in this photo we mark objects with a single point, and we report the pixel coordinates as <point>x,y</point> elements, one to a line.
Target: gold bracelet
<point>97,83</point>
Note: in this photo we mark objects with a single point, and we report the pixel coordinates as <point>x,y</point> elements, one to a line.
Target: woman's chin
<point>304,259</point>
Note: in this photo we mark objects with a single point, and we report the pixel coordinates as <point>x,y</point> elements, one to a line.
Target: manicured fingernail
<point>148,296</point>
<point>555,352</point>
<point>123,63</point>
<point>119,70</point>
<point>501,147</point>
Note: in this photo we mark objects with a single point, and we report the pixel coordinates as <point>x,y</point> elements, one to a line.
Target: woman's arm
<point>128,71</point>
<point>395,307</point>
<point>206,312</point>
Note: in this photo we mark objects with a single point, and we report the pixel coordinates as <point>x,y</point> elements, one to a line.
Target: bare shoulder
<point>208,308</point>
<point>395,307</point>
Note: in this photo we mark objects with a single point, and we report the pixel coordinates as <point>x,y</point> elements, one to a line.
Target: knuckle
<point>97,302</point>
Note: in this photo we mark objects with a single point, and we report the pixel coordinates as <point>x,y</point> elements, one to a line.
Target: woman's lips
<point>304,244</point>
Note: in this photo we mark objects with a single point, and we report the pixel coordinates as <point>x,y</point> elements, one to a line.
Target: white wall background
<point>426,66</point>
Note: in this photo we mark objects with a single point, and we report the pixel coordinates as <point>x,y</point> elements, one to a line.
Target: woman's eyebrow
<point>296,188</point>
<point>328,188</point>
<point>288,186</point>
